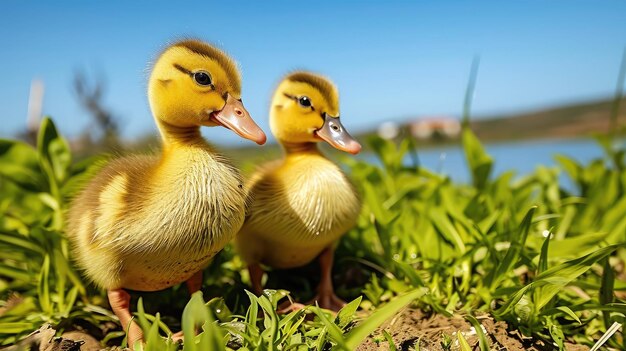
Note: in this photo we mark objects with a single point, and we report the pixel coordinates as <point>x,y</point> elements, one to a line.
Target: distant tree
<point>90,95</point>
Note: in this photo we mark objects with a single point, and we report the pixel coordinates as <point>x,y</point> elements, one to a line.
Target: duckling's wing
<point>107,197</point>
<point>252,183</point>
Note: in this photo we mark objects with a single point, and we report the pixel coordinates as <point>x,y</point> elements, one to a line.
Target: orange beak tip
<point>261,140</point>
<point>355,149</point>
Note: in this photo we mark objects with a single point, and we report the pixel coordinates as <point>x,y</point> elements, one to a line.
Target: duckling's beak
<point>334,133</point>
<point>236,118</point>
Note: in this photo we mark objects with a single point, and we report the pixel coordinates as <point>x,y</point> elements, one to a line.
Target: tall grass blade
<point>606,290</point>
<point>44,286</point>
<point>542,266</point>
<point>15,273</point>
<point>141,316</point>
<point>557,335</point>
<point>446,229</point>
<point>154,342</point>
<point>332,329</point>
<point>463,344</point>
<point>483,342</point>
<point>469,92</point>
<point>392,345</point>
<point>16,327</point>
<point>619,88</point>
<point>344,316</point>
<point>513,253</point>
<point>21,243</point>
<point>251,316</point>
<point>479,162</point>
<point>271,320</point>
<point>570,313</point>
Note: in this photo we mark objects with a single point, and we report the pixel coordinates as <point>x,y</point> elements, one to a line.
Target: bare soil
<point>414,330</point>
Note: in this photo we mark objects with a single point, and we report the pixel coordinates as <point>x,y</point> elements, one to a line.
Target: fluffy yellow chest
<point>201,199</point>
<point>190,201</point>
<point>322,200</point>
<point>299,208</point>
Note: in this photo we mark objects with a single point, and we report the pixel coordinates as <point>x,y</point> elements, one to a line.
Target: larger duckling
<point>302,204</point>
<point>147,223</point>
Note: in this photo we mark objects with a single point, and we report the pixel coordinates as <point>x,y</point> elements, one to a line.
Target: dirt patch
<point>410,329</point>
<point>43,339</point>
<point>414,330</point>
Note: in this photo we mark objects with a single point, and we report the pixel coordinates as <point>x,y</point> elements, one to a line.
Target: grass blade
<point>606,290</point>
<point>332,329</point>
<point>619,88</point>
<point>197,313</point>
<point>513,253</point>
<point>569,312</point>
<point>20,243</point>
<point>483,342</point>
<point>463,344</point>
<point>344,316</point>
<point>469,91</point>
<point>43,287</point>
<point>359,333</point>
<point>557,277</point>
<point>15,273</point>
<point>16,327</point>
<point>392,345</point>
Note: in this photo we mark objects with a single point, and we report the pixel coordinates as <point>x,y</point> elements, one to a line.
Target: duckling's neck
<point>299,148</point>
<point>176,137</point>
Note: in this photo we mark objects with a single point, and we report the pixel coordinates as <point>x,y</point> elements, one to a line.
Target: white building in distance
<point>430,127</point>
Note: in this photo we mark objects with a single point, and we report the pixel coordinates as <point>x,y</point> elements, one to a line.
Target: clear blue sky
<point>391,60</point>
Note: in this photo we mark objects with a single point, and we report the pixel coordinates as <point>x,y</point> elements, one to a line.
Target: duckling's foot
<point>120,304</point>
<point>288,307</point>
<point>328,300</point>
<point>178,336</point>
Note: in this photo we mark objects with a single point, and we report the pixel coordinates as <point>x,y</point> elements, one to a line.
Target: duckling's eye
<point>304,101</point>
<point>202,78</point>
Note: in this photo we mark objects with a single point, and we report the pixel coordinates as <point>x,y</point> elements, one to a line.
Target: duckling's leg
<point>194,283</point>
<point>326,297</point>
<point>120,304</point>
<point>256,278</point>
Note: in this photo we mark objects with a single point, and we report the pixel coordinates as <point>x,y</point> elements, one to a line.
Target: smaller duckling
<point>302,204</point>
<point>147,223</point>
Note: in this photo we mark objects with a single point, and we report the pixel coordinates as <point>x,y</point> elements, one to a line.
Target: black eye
<point>304,101</point>
<point>202,78</point>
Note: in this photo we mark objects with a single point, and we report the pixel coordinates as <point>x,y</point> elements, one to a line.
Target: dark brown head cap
<point>204,49</point>
<point>321,83</point>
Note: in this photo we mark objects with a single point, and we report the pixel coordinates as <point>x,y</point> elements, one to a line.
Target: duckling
<point>303,203</point>
<point>146,223</point>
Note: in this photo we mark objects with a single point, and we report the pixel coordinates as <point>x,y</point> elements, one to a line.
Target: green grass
<point>547,260</point>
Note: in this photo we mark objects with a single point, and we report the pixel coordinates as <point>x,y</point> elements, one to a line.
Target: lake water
<point>522,157</point>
